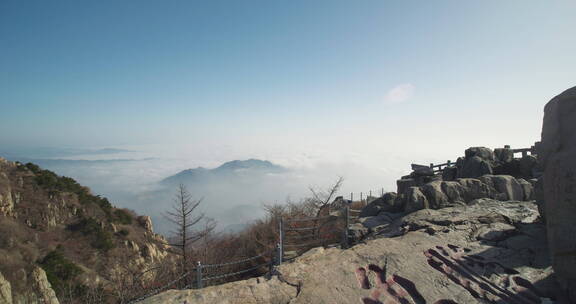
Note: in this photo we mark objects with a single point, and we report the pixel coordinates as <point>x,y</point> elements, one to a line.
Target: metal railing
<point>311,235</point>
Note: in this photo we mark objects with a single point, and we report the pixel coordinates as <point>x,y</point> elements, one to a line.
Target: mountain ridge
<point>230,169</point>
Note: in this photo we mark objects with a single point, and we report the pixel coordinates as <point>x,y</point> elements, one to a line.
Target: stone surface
<point>435,196</point>
<point>420,170</point>
<point>405,183</point>
<point>441,194</point>
<point>42,287</point>
<point>557,154</point>
<point>386,203</point>
<point>146,222</point>
<point>449,174</point>
<point>527,188</point>
<point>539,197</point>
<point>415,200</point>
<point>328,276</point>
<point>505,185</point>
<point>6,201</point>
<point>527,164</point>
<point>5,291</point>
<point>481,152</point>
<point>503,155</point>
<point>474,167</point>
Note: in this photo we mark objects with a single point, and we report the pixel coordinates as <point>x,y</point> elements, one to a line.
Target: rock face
<point>146,222</point>
<point>386,203</point>
<point>41,212</point>
<point>479,233</point>
<point>475,167</point>
<point>5,291</point>
<point>441,194</point>
<point>6,201</point>
<point>43,288</point>
<point>557,153</point>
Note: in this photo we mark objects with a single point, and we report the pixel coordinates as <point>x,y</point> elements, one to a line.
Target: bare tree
<point>184,218</point>
<point>321,198</point>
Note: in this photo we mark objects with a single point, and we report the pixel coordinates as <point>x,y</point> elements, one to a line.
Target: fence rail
<point>437,168</point>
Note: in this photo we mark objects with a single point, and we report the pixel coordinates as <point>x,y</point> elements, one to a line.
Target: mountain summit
<point>232,169</point>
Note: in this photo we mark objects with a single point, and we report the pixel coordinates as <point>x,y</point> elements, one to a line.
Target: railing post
<point>271,265</point>
<point>382,192</point>
<point>347,223</point>
<point>281,241</point>
<point>352,197</point>
<point>431,165</point>
<point>370,193</point>
<point>448,163</point>
<point>278,255</point>
<point>360,196</point>
<point>199,275</point>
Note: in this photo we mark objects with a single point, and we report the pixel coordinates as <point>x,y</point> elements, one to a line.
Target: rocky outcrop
<point>41,211</point>
<point>441,194</point>
<point>415,200</point>
<point>557,153</point>
<point>5,290</point>
<point>385,203</point>
<point>6,201</point>
<point>474,167</point>
<point>42,287</point>
<point>499,242</point>
<point>146,222</point>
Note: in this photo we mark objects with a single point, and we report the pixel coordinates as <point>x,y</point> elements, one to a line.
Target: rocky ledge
<point>488,251</point>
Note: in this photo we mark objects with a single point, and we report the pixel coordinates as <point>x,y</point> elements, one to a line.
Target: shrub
<point>100,238</point>
<point>59,270</point>
<point>122,216</point>
<point>54,183</point>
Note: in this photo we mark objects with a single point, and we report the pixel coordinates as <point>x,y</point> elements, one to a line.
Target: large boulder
<point>507,187</point>
<point>474,189</point>
<point>481,152</point>
<point>455,192</point>
<point>557,154</point>
<point>527,164</point>
<point>415,200</point>
<point>474,167</point>
<point>449,173</point>
<point>420,170</point>
<point>405,183</point>
<point>385,203</point>
<point>504,155</point>
<point>527,188</point>
<point>435,196</point>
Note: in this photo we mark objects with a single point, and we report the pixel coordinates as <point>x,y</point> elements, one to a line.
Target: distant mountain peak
<point>248,164</point>
<point>227,169</point>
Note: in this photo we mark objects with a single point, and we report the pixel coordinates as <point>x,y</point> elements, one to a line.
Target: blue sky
<point>384,76</point>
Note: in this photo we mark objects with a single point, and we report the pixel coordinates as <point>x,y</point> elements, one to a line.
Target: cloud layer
<point>400,93</point>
